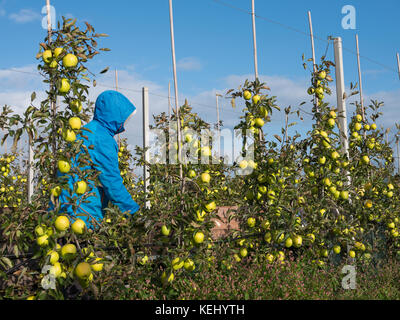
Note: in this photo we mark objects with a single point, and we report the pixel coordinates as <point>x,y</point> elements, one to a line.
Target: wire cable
<point>303,33</point>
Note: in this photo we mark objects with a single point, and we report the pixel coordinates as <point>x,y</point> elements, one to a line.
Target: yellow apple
<point>165,230</point>
<point>76,106</point>
<point>211,206</point>
<point>251,222</point>
<point>56,191</point>
<point>70,60</point>
<point>47,55</point>
<point>322,75</point>
<point>62,223</point>
<point>75,123</point>
<point>57,52</point>
<point>64,86</point>
<point>69,135</point>
<point>247,95</point>
<point>205,177</point>
<point>64,166</point>
<point>78,227</point>
<point>198,237</point>
<point>83,270</point>
<point>81,187</point>
<point>256,99</point>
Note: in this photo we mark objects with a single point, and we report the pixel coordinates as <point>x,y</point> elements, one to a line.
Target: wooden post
<point>398,64</point>
<point>360,79</point>
<point>171,19</point>
<point>313,53</point>
<point>48,19</point>
<point>146,174</point>
<point>254,39</point>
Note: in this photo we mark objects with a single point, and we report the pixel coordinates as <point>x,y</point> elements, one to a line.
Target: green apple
<point>70,60</point>
<point>64,166</point>
<point>165,230</point>
<point>58,51</point>
<point>198,237</point>
<point>251,222</point>
<point>256,99</point>
<point>211,206</point>
<point>246,95</point>
<point>259,122</point>
<point>205,177</point>
<point>322,75</point>
<point>78,227</point>
<point>81,187</point>
<point>64,86</point>
<point>76,106</point>
<point>47,55</point>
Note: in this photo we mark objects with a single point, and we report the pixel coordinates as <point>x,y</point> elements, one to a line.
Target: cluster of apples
<point>319,88</point>
<point>53,59</point>
<point>10,189</point>
<point>257,120</point>
<point>67,260</point>
<point>357,139</point>
<point>64,165</point>
<point>207,206</point>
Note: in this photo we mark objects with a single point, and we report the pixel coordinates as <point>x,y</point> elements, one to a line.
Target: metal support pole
<point>146,174</point>
<point>340,90</point>
<point>254,39</point>
<point>30,170</point>
<point>218,128</point>
<point>171,19</point>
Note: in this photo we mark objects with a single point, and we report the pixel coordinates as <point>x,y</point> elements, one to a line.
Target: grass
<point>297,279</point>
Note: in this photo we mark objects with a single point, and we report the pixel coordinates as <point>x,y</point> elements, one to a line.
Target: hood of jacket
<point>112,109</point>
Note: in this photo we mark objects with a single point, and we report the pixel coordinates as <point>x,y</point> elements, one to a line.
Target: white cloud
<point>189,64</point>
<point>25,15</point>
<point>20,85</point>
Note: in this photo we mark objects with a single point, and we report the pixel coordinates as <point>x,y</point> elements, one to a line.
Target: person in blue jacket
<point>112,110</point>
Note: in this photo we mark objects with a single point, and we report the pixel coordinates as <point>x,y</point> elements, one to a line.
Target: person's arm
<point>112,182</point>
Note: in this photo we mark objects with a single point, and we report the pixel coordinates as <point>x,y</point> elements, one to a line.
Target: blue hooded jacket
<point>112,109</point>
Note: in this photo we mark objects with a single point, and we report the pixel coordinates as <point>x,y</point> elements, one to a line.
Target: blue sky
<point>213,48</point>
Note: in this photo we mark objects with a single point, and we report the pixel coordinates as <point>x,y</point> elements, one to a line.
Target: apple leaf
<point>104,70</point>
<point>278,137</point>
